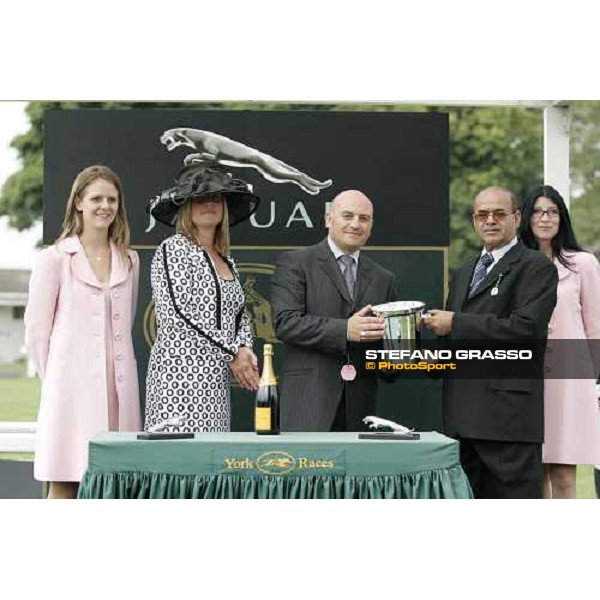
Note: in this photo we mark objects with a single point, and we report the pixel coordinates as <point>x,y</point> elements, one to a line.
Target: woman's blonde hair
<point>72,224</point>
<point>185,226</point>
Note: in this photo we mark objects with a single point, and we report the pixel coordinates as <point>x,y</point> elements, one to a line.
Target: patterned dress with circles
<point>200,325</point>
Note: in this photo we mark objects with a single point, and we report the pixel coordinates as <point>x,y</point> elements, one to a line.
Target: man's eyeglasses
<point>551,213</point>
<point>481,216</point>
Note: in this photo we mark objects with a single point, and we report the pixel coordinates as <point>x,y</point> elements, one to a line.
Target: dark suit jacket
<point>311,305</point>
<point>501,409</point>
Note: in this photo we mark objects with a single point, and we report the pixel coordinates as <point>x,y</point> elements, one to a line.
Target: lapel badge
<point>494,291</point>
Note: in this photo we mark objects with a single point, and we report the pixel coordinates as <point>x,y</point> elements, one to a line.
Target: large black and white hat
<point>199,180</point>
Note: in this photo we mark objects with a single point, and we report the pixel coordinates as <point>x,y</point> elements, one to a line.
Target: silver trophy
<point>402,325</point>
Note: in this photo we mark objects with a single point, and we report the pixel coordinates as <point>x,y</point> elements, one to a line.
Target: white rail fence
<point>17,436</point>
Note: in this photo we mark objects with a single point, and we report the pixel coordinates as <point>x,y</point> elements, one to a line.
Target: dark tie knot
<point>346,260</point>
<point>487,260</point>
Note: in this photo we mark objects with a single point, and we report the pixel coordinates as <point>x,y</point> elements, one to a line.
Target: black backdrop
<point>400,160</point>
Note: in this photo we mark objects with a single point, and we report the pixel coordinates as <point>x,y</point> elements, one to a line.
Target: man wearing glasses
<point>321,298</point>
<point>506,293</point>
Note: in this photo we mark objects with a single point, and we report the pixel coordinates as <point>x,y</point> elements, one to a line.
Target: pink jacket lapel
<point>82,269</point>
<point>80,265</point>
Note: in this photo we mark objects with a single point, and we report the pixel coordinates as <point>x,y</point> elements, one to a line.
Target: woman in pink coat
<point>82,299</point>
<point>571,416</point>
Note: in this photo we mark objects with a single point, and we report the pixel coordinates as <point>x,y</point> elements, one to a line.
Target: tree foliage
<point>488,146</point>
<point>585,173</point>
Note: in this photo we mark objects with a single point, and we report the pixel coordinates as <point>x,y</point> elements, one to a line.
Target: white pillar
<point>557,129</point>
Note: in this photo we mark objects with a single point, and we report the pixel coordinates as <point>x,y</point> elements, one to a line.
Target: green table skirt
<point>290,465</point>
<point>442,483</point>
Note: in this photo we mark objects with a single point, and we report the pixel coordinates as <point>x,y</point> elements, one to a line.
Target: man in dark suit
<point>321,298</point>
<point>508,294</point>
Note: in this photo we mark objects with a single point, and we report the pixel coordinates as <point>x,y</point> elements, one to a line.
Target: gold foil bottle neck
<point>268,373</point>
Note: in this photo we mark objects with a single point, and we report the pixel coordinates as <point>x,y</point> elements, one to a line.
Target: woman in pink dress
<point>571,416</point>
<point>81,306</point>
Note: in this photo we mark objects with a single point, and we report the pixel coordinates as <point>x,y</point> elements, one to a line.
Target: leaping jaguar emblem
<point>210,146</point>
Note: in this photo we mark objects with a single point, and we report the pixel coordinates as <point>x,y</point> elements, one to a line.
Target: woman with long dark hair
<point>571,416</point>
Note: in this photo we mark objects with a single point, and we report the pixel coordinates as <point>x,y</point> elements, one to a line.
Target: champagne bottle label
<point>262,418</point>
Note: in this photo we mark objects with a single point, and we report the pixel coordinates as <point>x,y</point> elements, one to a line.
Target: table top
<point>289,454</point>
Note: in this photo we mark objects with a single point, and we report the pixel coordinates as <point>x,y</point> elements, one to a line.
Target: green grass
<point>19,399</point>
<point>585,482</point>
<point>27,457</point>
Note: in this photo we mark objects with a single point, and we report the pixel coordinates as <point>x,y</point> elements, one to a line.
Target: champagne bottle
<point>266,411</point>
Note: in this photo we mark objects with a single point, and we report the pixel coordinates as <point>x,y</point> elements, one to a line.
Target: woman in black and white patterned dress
<point>203,332</point>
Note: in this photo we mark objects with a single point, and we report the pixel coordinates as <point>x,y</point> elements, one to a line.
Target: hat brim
<point>240,206</point>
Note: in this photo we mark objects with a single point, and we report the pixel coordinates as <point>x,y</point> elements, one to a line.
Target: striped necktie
<point>480,272</point>
<point>347,263</point>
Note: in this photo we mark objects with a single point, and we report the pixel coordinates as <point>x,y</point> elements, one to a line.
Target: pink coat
<point>65,325</point>
<point>571,416</point>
